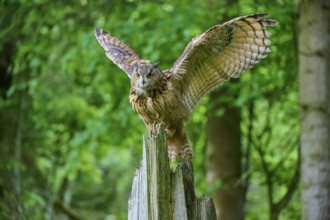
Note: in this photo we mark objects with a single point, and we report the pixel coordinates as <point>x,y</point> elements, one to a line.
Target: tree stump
<point>161,193</point>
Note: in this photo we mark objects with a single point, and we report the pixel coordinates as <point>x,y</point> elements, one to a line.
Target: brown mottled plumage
<point>222,52</point>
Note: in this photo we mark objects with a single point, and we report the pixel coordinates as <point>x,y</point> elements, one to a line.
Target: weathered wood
<point>181,201</point>
<point>137,204</point>
<point>160,193</point>
<point>158,178</point>
<point>206,209</point>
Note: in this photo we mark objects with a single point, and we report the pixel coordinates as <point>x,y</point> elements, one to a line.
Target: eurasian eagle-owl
<point>168,96</point>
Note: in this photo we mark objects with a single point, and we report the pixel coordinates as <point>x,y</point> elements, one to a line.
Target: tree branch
<point>281,204</point>
<point>268,174</point>
<point>58,205</point>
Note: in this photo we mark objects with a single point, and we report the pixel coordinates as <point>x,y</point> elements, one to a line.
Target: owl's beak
<point>142,81</point>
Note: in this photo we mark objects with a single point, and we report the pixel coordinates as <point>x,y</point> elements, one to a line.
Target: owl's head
<point>146,77</point>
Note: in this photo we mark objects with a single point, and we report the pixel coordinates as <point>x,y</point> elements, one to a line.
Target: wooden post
<point>161,193</point>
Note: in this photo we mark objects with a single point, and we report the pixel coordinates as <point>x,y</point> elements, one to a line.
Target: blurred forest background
<point>70,142</point>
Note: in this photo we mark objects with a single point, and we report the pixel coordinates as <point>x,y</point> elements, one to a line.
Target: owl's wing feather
<point>117,51</point>
<point>222,52</point>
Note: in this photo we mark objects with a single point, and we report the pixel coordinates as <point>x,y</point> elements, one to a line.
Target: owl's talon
<point>170,132</point>
<point>187,152</point>
<point>172,154</point>
<point>154,129</point>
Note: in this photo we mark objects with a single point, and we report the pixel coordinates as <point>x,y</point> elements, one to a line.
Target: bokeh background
<point>69,140</point>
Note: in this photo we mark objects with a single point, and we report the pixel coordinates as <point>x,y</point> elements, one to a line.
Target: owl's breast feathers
<point>163,104</point>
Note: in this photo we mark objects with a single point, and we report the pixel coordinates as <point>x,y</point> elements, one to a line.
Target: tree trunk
<point>161,193</point>
<point>224,152</point>
<point>314,67</point>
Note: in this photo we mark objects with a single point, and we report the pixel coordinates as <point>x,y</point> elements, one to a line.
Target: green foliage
<point>82,142</point>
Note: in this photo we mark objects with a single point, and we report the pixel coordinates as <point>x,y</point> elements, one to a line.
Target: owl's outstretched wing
<point>117,51</point>
<point>222,52</point>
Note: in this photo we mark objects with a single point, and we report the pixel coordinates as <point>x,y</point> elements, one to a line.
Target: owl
<point>168,96</point>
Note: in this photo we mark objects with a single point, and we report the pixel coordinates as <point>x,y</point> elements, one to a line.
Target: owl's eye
<point>149,75</point>
<point>137,75</point>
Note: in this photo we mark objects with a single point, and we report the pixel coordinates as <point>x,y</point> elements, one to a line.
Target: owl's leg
<point>186,150</point>
<point>171,143</point>
<point>178,142</point>
<point>172,154</point>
